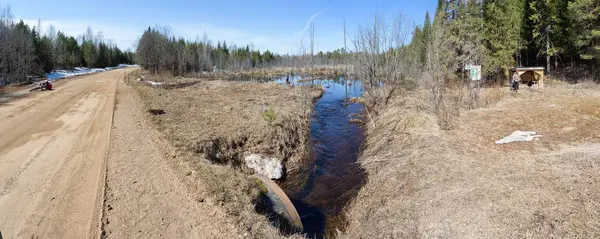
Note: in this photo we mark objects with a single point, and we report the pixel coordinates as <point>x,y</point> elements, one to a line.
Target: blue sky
<point>274,25</point>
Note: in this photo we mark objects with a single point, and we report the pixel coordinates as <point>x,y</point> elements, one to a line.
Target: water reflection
<point>333,177</point>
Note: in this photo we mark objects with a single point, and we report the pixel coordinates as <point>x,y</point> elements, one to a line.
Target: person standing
<point>515,81</point>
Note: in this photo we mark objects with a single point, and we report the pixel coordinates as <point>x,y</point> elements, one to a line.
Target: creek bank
<point>212,125</point>
<point>330,176</point>
<point>425,182</point>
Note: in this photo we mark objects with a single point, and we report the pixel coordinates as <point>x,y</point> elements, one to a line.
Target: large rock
<point>270,167</point>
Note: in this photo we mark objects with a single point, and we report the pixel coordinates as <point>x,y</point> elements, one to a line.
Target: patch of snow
<point>270,167</point>
<point>58,74</point>
<point>519,136</point>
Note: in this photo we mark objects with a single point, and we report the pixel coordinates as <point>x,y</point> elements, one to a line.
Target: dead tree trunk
<point>548,48</point>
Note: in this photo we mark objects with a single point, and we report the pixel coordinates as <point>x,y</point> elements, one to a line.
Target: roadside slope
<point>144,196</point>
<point>426,182</point>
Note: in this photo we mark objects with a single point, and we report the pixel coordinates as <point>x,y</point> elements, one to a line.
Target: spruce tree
<point>468,28</point>
<point>585,15</point>
<point>544,16</point>
<point>425,38</point>
<point>502,29</point>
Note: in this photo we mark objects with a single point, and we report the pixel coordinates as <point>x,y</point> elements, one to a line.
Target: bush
<point>447,108</point>
<point>270,114</point>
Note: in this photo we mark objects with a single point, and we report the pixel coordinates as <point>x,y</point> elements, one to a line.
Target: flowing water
<point>332,177</point>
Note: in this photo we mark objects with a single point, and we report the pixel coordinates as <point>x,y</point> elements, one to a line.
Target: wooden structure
<point>529,75</point>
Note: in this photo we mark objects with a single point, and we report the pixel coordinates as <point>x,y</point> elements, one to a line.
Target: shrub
<point>270,114</point>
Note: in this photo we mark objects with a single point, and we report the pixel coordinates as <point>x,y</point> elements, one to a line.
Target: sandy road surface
<point>145,195</point>
<point>52,156</point>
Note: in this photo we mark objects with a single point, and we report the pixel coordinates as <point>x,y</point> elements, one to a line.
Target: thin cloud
<point>311,19</point>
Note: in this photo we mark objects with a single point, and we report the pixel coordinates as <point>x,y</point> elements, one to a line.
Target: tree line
<point>560,35</point>
<point>25,52</point>
<point>160,52</point>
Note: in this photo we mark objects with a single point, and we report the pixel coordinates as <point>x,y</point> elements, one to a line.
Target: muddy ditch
<point>313,133</point>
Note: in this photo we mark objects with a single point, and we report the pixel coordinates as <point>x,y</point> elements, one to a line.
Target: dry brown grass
<point>201,115</point>
<point>211,125</point>
<point>428,182</point>
<point>492,96</point>
<point>318,72</point>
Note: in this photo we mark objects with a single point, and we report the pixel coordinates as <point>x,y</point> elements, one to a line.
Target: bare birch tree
<point>379,58</point>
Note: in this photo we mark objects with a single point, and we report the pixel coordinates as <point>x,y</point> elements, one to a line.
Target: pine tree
<point>89,52</point>
<point>585,15</point>
<point>416,44</point>
<point>502,29</point>
<point>25,52</point>
<point>61,59</point>
<point>74,53</point>
<point>441,6</point>
<point>44,55</point>
<point>425,38</point>
<point>22,61</point>
<point>468,28</point>
<point>147,51</point>
<point>546,21</point>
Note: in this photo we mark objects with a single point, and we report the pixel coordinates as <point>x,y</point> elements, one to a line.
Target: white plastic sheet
<point>519,136</point>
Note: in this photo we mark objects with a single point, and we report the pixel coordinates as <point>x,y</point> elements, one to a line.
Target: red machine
<point>44,85</point>
<point>47,86</point>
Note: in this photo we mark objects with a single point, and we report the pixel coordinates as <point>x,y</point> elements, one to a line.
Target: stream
<point>332,177</point>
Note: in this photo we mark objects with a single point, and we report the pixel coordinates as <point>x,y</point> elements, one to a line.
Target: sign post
<point>474,72</point>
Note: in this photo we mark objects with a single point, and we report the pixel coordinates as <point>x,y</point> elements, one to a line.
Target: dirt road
<point>145,195</point>
<point>53,148</point>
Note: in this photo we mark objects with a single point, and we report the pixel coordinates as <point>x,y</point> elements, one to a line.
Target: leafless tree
<point>379,57</point>
<point>312,44</point>
<point>440,66</point>
<point>16,49</point>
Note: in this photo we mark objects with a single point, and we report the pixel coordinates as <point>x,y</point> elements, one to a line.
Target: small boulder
<point>270,167</point>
